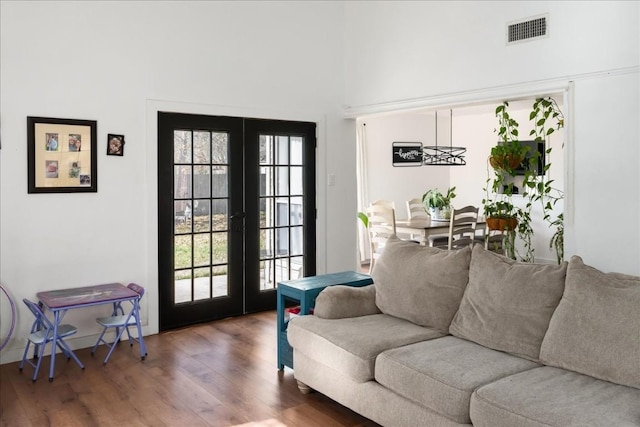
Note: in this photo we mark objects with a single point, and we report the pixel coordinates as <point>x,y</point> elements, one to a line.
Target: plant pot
<point>502,224</point>
<point>499,162</point>
<point>440,214</point>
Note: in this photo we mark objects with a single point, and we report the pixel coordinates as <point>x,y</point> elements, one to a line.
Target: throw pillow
<point>596,328</point>
<point>508,304</point>
<point>419,283</point>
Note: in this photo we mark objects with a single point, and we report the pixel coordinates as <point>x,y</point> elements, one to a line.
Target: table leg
<point>280,321</point>
<point>307,300</point>
<point>54,344</point>
<point>114,312</point>
<point>143,347</point>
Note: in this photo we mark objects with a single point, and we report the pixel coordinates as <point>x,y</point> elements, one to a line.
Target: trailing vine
<point>544,111</point>
<point>547,118</point>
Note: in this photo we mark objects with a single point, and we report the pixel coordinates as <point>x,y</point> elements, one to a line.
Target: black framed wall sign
<point>407,154</point>
<point>62,156</point>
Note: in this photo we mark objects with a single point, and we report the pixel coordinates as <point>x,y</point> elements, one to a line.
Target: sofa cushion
<point>441,374</point>
<point>421,284</point>
<point>549,396</point>
<point>508,304</point>
<point>596,328</point>
<point>350,345</point>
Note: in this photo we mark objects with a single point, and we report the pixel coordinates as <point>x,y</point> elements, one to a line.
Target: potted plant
<point>507,155</point>
<point>500,215</point>
<point>439,204</point>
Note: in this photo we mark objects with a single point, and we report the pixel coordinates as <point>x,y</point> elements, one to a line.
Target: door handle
<point>237,221</point>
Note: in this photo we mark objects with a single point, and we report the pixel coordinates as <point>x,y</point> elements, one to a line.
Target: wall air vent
<point>531,28</point>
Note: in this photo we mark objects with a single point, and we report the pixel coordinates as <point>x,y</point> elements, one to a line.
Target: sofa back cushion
<point>508,304</point>
<point>420,284</point>
<point>596,328</point>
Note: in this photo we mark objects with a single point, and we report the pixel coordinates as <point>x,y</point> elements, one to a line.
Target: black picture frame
<point>115,145</point>
<point>407,154</point>
<point>62,155</point>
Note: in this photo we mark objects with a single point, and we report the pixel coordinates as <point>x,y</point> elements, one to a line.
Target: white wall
<point>403,50</point>
<point>605,224</point>
<point>407,55</point>
<point>121,62</point>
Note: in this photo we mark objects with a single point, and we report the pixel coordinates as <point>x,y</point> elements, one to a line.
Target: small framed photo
<point>62,155</point>
<point>115,145</point>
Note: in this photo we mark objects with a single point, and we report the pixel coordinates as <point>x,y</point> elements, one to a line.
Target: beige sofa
<point>468,337</point>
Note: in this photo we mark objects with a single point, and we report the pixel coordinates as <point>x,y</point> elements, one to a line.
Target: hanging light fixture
<point>444,155</point>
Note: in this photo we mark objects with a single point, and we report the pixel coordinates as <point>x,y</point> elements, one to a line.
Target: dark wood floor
<point>216,374</point>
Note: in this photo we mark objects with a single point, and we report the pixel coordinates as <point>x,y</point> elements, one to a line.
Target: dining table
<point>59,302</point>
<point>427,227</point>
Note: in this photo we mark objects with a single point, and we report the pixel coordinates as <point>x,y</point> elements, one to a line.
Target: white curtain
<point>363,189</point>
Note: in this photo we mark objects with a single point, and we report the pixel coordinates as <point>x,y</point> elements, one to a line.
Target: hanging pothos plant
<point>506,157</point>
<point>548,118</point>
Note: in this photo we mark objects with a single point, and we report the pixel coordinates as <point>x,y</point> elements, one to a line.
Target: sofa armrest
<point>340,301</point>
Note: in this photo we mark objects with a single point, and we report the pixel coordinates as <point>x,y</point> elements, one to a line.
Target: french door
<point>236,213</point>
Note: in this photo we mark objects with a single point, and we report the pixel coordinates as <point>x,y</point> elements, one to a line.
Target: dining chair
<point>415,209</point>
<point>41,334</point>
<point>121,322</point>
<point>384,203</point>
<point>382,225</point>
<point>462,227</point>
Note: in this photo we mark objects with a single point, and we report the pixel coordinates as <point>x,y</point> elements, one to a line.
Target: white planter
<point>440,214</point>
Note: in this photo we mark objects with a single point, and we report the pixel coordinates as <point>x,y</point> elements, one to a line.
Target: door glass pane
<point>297,269</point>
<point>220,214</point>
<point>182,288</point>
<point>220,252</point>
<point>282,241</point>
<point>282,150</point>
<point>266,149</point>
<point>282,211</point>
<point>281,266</point>
<point>202,181</point>
<point>267,217</point>
<point>182,251</point>
<point>282,181</point>
<point>296,150</point>
<point>267,274</point>
<point>220,181</point>
<point>182,146</point>
<point>266,243</point>
<point>296,211</point>
<point>201,283</point>
<point>296,180</point>
<point>202,147</point>
<point>182,216</point>
<point>266,181</point>
<point>297,241</point>
<point>220,148</point>
<point>201,215</point>
<point>201,249</point>
<point>182,182</point>
<point>220,282</point>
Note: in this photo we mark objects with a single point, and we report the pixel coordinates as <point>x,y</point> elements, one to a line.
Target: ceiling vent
<point>532,28</point>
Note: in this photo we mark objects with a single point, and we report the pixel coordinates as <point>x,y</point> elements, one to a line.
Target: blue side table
<point>304,292</point>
